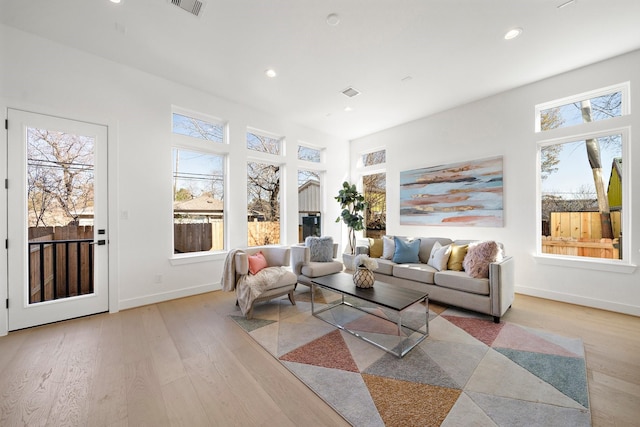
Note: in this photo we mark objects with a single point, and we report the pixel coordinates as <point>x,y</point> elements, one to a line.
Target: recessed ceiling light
<point>347,109</point>
<point>271,73</point>
<point>513,33</point>
<point>333,19</point>
<point>115,1</point>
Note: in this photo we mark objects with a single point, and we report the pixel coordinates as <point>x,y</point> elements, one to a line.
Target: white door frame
<point>20,313</point>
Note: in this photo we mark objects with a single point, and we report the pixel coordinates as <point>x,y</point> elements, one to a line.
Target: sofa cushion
<point>479,256</point>
<point>320,248</point>
<point>456,257</point>
<point>385,266</point>
<point>439,256</point>
<point>317,269</point>
<point>417,272</point>
<point>459,280</point>
<point>406,252</point>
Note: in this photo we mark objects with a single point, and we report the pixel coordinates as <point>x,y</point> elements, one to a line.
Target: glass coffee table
<point>393,318</point>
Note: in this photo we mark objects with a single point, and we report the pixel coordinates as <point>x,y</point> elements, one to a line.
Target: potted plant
<point>353,205</point>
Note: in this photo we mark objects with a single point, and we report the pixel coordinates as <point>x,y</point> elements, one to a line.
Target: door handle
<point>99,242</point>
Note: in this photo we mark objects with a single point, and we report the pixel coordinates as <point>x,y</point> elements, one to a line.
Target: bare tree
<point>61,171</point>
<point>595,161</point>
<point>263,193</point>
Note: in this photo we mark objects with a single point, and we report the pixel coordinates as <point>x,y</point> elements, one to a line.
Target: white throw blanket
<point>248,287</point>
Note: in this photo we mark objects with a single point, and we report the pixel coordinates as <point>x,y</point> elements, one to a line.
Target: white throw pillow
<point>388,247</point>
<point>439,256</point>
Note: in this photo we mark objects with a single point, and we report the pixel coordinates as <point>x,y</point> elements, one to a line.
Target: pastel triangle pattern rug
<point>469,371</point>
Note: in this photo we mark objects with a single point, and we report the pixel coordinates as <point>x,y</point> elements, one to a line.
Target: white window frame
<point>615,126</point>
<point>623,88</point>
<point>183,142</point>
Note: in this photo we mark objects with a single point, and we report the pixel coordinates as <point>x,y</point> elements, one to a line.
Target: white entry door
<point>57,219</point>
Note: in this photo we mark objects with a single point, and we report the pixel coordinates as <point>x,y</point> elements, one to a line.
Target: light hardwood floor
<point>184,362</point>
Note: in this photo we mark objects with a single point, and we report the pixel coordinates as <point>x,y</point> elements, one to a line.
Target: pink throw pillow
<point>479,256</point>
<point>257,262</point>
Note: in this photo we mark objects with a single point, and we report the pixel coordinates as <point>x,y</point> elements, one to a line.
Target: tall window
<point>375,194</point>
<point>309,204</point>
<point>581,176</point>
<point>263,190</point>
<point>263,203</point>
<point>198,184</point>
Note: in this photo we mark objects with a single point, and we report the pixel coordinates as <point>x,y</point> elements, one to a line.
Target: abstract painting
<point>457,194</point>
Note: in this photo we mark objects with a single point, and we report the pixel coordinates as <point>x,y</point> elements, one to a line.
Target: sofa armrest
<point>300,255</point>
<point>242,263</point>
<point>501,285</point>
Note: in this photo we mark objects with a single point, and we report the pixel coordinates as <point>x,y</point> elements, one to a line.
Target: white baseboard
<point>579,300</point>
<point>166,296</point>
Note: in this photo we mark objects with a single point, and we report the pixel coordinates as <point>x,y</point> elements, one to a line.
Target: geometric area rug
<point>469,371</point>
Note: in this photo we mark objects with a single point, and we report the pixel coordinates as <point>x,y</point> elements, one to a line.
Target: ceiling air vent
<point>194,7</point>
<point>350,92</point>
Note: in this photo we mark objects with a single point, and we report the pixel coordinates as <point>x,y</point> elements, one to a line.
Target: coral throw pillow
<point>257,262</point>
<point>479,256</point>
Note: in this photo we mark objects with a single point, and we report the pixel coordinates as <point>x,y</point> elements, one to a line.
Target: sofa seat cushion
<point>317,269</point>
<point>461,281</point>
<point>385,266</point>
<point>417,272</point>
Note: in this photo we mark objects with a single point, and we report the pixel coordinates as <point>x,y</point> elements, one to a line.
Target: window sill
<point>586,263</point>
<point>196,257</point>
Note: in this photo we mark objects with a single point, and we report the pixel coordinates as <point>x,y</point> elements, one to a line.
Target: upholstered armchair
<point>258,274</point>
<point>314,258</point>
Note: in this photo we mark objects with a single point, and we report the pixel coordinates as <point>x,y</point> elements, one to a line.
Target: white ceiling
<point>408,58</point>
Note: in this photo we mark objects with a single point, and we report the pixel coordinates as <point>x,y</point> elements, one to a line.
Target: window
<point>309,204</point>
<point>198,184</point>
<point>196,128</point>
<point>264,143</point>
<point>591,107</point>
<point>374,186</point>
<point>374,158</point>
<point>582,178</point>
<point>263,203</point>
<point>375,195</point>
<point>308,154</point>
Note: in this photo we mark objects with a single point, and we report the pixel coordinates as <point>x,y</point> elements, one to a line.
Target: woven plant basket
<point>363,277</point>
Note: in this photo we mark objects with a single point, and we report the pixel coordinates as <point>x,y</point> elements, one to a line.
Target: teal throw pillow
<point>406,252</point>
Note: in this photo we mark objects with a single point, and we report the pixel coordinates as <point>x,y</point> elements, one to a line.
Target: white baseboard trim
<point>579,300</point>
<point>166,296</point>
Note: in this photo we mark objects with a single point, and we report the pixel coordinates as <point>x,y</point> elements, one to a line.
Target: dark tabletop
<point>382,294</point>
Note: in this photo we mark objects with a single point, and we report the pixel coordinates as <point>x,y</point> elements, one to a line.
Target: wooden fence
<point>580,234</point>
<point>63,267</point>
<point>210,236</point>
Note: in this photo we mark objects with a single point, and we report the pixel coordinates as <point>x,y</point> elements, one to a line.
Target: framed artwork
<point>457,194</point>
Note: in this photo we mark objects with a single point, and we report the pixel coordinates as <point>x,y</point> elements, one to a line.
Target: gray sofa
<point>492,296</point>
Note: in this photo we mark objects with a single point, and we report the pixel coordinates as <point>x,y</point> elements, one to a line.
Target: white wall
<point>504,125</point>
<point>45,77</point>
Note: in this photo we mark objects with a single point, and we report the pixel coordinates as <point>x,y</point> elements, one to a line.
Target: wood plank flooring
<point>185,363</point>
